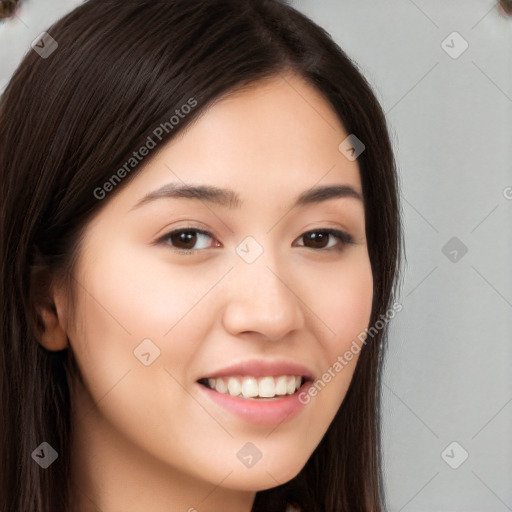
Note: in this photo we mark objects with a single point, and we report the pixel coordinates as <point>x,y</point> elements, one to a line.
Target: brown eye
<point>316,239</point>
<point>188,239</point>
<point>184,239</point>
<point>320,239</point>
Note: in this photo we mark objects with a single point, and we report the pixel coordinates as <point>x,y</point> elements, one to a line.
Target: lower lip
<point>259,412</point>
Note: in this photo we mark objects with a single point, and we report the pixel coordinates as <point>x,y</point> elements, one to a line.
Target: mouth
<point>266,388</point>
<point>262,393</point>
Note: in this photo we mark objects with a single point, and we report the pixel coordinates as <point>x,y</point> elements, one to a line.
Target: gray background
<point>448,371</point>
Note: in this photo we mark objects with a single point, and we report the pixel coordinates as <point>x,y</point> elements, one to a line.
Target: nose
<point>260,298</point>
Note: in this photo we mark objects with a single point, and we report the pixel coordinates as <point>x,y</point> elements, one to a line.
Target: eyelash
<point>344,238</point>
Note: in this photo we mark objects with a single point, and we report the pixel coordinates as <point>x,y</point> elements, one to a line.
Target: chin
<point>261,479</point>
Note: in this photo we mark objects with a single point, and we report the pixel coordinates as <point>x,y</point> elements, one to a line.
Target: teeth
<point>290,385</point>
<point>234,386</point>
<point>220,386</point>
<point>267,387</point>
<point>251,387</point>
<point>281,385</point>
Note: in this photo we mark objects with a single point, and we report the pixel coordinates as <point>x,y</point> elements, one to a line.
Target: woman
<point>200,241</point>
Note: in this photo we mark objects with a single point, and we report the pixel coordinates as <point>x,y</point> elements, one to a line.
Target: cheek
<point>129,296</point>
<point>118,308</point>
<point>344,305</point>
<point>140,295</point>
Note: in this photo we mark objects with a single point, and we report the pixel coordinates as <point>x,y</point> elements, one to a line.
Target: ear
<point>52,334</point>
<point>47,306</point>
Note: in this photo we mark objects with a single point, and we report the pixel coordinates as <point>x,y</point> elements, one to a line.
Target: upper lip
<point>262,368</point>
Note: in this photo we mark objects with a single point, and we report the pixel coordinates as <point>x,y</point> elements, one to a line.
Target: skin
<point>145,437</point>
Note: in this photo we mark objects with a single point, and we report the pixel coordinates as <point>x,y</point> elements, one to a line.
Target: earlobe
<point>53,336</point>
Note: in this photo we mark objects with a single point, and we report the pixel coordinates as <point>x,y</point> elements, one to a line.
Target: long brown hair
<point>69,120</point>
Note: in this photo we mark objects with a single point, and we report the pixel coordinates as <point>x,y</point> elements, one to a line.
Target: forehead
<point>276,137</point>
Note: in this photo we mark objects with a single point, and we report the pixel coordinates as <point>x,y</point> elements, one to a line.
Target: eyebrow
<point>230,199</point>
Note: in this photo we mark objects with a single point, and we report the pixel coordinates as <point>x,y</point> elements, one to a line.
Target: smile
<point>249,387</point>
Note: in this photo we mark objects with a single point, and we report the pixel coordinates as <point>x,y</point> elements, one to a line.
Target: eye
<point>320,238</point>
<point>189,239</point>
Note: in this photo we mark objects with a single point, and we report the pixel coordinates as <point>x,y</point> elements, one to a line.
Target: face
<point>250,291</point>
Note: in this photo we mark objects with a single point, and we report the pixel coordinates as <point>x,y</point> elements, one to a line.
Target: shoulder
<point>292,507</point>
